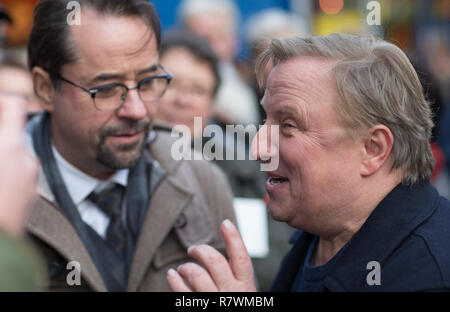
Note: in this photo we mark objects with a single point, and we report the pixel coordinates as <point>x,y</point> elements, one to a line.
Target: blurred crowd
<point>214,80</point>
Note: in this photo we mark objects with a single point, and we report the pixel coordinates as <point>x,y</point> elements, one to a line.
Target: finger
<point>30,170</point>
<point>176,282</point>
<point>197,277</point>
<point>12,116</point>
<point>240,262</point>
<point>215,263</point>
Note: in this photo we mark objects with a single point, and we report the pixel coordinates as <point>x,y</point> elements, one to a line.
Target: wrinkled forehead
<point>302,70</point>
<point>302,75</point>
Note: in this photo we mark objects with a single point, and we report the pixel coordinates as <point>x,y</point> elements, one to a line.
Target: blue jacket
<point>408,234</point>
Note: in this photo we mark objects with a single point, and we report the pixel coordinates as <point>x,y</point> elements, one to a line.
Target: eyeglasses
<point>112,96</point>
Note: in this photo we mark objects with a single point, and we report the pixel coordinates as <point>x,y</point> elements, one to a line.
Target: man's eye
<point>147,84</point>
<point>287,125</point>
<point>108,91</point>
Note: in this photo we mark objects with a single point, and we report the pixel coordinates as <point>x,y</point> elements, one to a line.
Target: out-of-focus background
<point>420,27</point>
<point>238,30</point>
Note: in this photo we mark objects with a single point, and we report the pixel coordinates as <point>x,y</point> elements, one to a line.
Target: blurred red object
<point>439,159</point>
<point>331,6</point>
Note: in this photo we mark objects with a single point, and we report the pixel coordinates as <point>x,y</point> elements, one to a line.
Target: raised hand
<point>18,176</point>
<point>216,272</point>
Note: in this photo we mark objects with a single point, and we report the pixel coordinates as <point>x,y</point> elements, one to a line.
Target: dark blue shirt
<point>309,277</point>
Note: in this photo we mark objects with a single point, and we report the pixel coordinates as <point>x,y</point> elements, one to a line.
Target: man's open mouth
<point>277,180</point>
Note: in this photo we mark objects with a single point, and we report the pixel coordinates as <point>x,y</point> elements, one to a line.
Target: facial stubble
<point>124,155</point>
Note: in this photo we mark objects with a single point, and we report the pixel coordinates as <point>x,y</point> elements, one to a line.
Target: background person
<point>260,29</point>
<point>216,21</point>
<point>191,94</point>
<point>15,79</point>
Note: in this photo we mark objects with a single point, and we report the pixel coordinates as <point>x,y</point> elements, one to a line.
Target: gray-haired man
<point>355,161</point>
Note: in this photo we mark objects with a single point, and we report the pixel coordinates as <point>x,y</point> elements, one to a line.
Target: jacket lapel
<point>169,199</point>
<point>167,203</point>
<point>51,226</point>
<point>48,223</point>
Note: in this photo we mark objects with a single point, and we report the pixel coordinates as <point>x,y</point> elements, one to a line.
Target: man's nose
<point>134,107</point>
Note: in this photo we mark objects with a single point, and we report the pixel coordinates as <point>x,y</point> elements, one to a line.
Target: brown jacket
<point>186,209</point>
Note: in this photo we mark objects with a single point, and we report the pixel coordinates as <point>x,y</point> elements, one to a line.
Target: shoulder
<point>413,267</point>
<point>162,148</point>
<point>202,178</point>
<point>21,265</point>
<point>435,234</point>
<point>194,167</point>
<point>422,261</point>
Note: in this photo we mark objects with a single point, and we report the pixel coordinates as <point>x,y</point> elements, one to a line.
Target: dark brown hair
<point>50,45</point>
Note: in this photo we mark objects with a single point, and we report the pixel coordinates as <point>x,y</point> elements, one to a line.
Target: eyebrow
<point>151,69</point>
<point>106,77</point>
<point>283,110</point>
<point>287,110</point>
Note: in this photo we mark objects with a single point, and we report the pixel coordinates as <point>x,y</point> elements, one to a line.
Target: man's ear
<point>43,87</point>
<point>378,144</point>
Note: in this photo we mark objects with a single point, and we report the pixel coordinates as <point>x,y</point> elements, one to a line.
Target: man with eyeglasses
<point>115,210</point>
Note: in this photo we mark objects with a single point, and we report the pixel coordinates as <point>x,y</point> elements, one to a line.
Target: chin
<point>276,210</point>
<point>283,210</point>
<point>121,157</point>
<point>130,159</point>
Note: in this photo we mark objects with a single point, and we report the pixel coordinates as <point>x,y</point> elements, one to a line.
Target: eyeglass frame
<point>93,91</point>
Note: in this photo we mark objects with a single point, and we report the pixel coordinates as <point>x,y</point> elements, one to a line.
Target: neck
<point>375,190</point>
<point>326,249</point>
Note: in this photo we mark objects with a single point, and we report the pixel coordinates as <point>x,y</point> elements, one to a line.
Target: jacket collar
<point>173,194</point>
<point>395,217</point>
<point>48,223</point>
<point>43,188</point>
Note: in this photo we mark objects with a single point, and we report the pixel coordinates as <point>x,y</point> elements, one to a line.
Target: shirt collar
<point>80,185</point>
